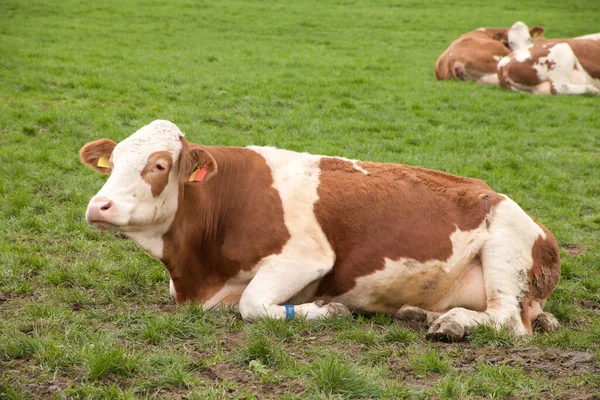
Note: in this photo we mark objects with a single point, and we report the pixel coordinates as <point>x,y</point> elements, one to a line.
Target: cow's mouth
<point>103,225</point>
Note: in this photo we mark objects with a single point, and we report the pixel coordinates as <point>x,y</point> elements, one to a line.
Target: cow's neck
<point>193,246</point>
<point>151,241</point>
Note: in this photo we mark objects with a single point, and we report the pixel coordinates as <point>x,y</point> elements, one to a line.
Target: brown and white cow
<point>474,56</point>
<point>554,66</point>
<point>259,227</point>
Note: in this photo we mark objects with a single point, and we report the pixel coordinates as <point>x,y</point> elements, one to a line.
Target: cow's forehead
<point>158,136</point>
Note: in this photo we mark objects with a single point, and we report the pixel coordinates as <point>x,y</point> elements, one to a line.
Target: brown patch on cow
<point>223,225</point>
<point>156,171</point>
<point>525,305</point>
<point>518,73</point>
<point>396,211</point>
<point>588,54</point>
<point>93,151</point>
<point>545,271</point>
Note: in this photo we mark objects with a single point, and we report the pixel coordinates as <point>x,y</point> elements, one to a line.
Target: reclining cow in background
<point>281,233</point>
<point>550,66</point>
<point>474,56</point>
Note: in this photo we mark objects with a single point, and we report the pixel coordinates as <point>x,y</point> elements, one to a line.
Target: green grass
<point>429,361</point>
<point>86,314</point>
<point>331,375</point>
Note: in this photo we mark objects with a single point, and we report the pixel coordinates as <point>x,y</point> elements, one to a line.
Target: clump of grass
<point>487,335</point>
<point>359,334</point>
<point>382,319</point>
<point>453,386</point>
<point>93,390</point>
<point>566,339</point>
<point>18,345</point>
<point>332,376</point>
<point>331,323</point>
<point>279,328</point>
<point>173,327</point>
<point>102,360</point>
<point>53,354</point>
<point>170,372</point>
<point>429,361</point>
<point>398,335</point>
<point>9,391</point>
<point>377,355</point>
<point>564,310</point>
<point>262,348</point>
<point>500,381</point>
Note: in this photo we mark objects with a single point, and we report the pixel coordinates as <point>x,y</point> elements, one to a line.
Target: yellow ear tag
<point>103,162</point>
<point>198,175</point>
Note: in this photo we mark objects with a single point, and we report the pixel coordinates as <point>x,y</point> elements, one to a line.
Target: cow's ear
<point>197,165</point>
<point>536,31</point>
<point>501,37</point>
<point>97,154</point>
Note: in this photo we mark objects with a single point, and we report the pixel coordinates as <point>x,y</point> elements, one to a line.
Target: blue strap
<point>289,311</point>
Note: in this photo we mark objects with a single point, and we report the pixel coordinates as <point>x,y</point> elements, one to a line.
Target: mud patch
<point>572,249</point>
<point>555,363</point>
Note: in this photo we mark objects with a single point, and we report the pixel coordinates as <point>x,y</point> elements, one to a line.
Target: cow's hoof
<point>545,322</point>
<point>446,331</point>
<point>334,308</point>
<point>412,318</point>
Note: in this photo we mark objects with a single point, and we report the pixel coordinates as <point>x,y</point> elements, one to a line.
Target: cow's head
<point>147,171</point>
<point>519,36</point>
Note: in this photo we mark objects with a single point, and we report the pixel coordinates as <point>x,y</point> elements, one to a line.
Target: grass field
<point>85,314</point>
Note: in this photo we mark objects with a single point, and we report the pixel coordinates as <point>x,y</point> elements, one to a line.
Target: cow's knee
<point>252,310</point>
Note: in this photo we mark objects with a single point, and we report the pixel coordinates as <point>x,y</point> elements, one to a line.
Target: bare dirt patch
<point>572,249</point>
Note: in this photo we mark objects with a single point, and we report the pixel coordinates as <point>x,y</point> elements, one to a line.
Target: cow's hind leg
<point>506,260</point>
<point>277,281</point>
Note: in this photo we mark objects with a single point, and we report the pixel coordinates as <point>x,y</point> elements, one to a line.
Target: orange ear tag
<point>103,162</point>
<point>198,175</point>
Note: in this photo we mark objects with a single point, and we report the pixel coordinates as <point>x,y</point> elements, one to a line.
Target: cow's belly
<point>433,286</point>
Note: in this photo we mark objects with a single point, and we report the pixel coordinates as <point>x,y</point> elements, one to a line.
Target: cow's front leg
<point>277,281</point>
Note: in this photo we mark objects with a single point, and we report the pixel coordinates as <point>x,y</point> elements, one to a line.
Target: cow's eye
<point>159,167</point>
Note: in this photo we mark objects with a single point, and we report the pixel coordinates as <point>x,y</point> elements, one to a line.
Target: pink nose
<point>99,210</point>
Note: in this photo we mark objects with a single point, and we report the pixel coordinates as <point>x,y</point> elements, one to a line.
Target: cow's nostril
<point>106,206</point>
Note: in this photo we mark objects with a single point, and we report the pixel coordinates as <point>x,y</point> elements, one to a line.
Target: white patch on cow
<point>593,36</point>
<point>172,291</point>
<point>563,69</point>
<point>151,240</point>
<point>504,61</point>
<point>481,29</point>
<point>136,212</point>
<point>307,255</point>
<point>489,79</point>
<point>497,58</point>
<point>522,55</point>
